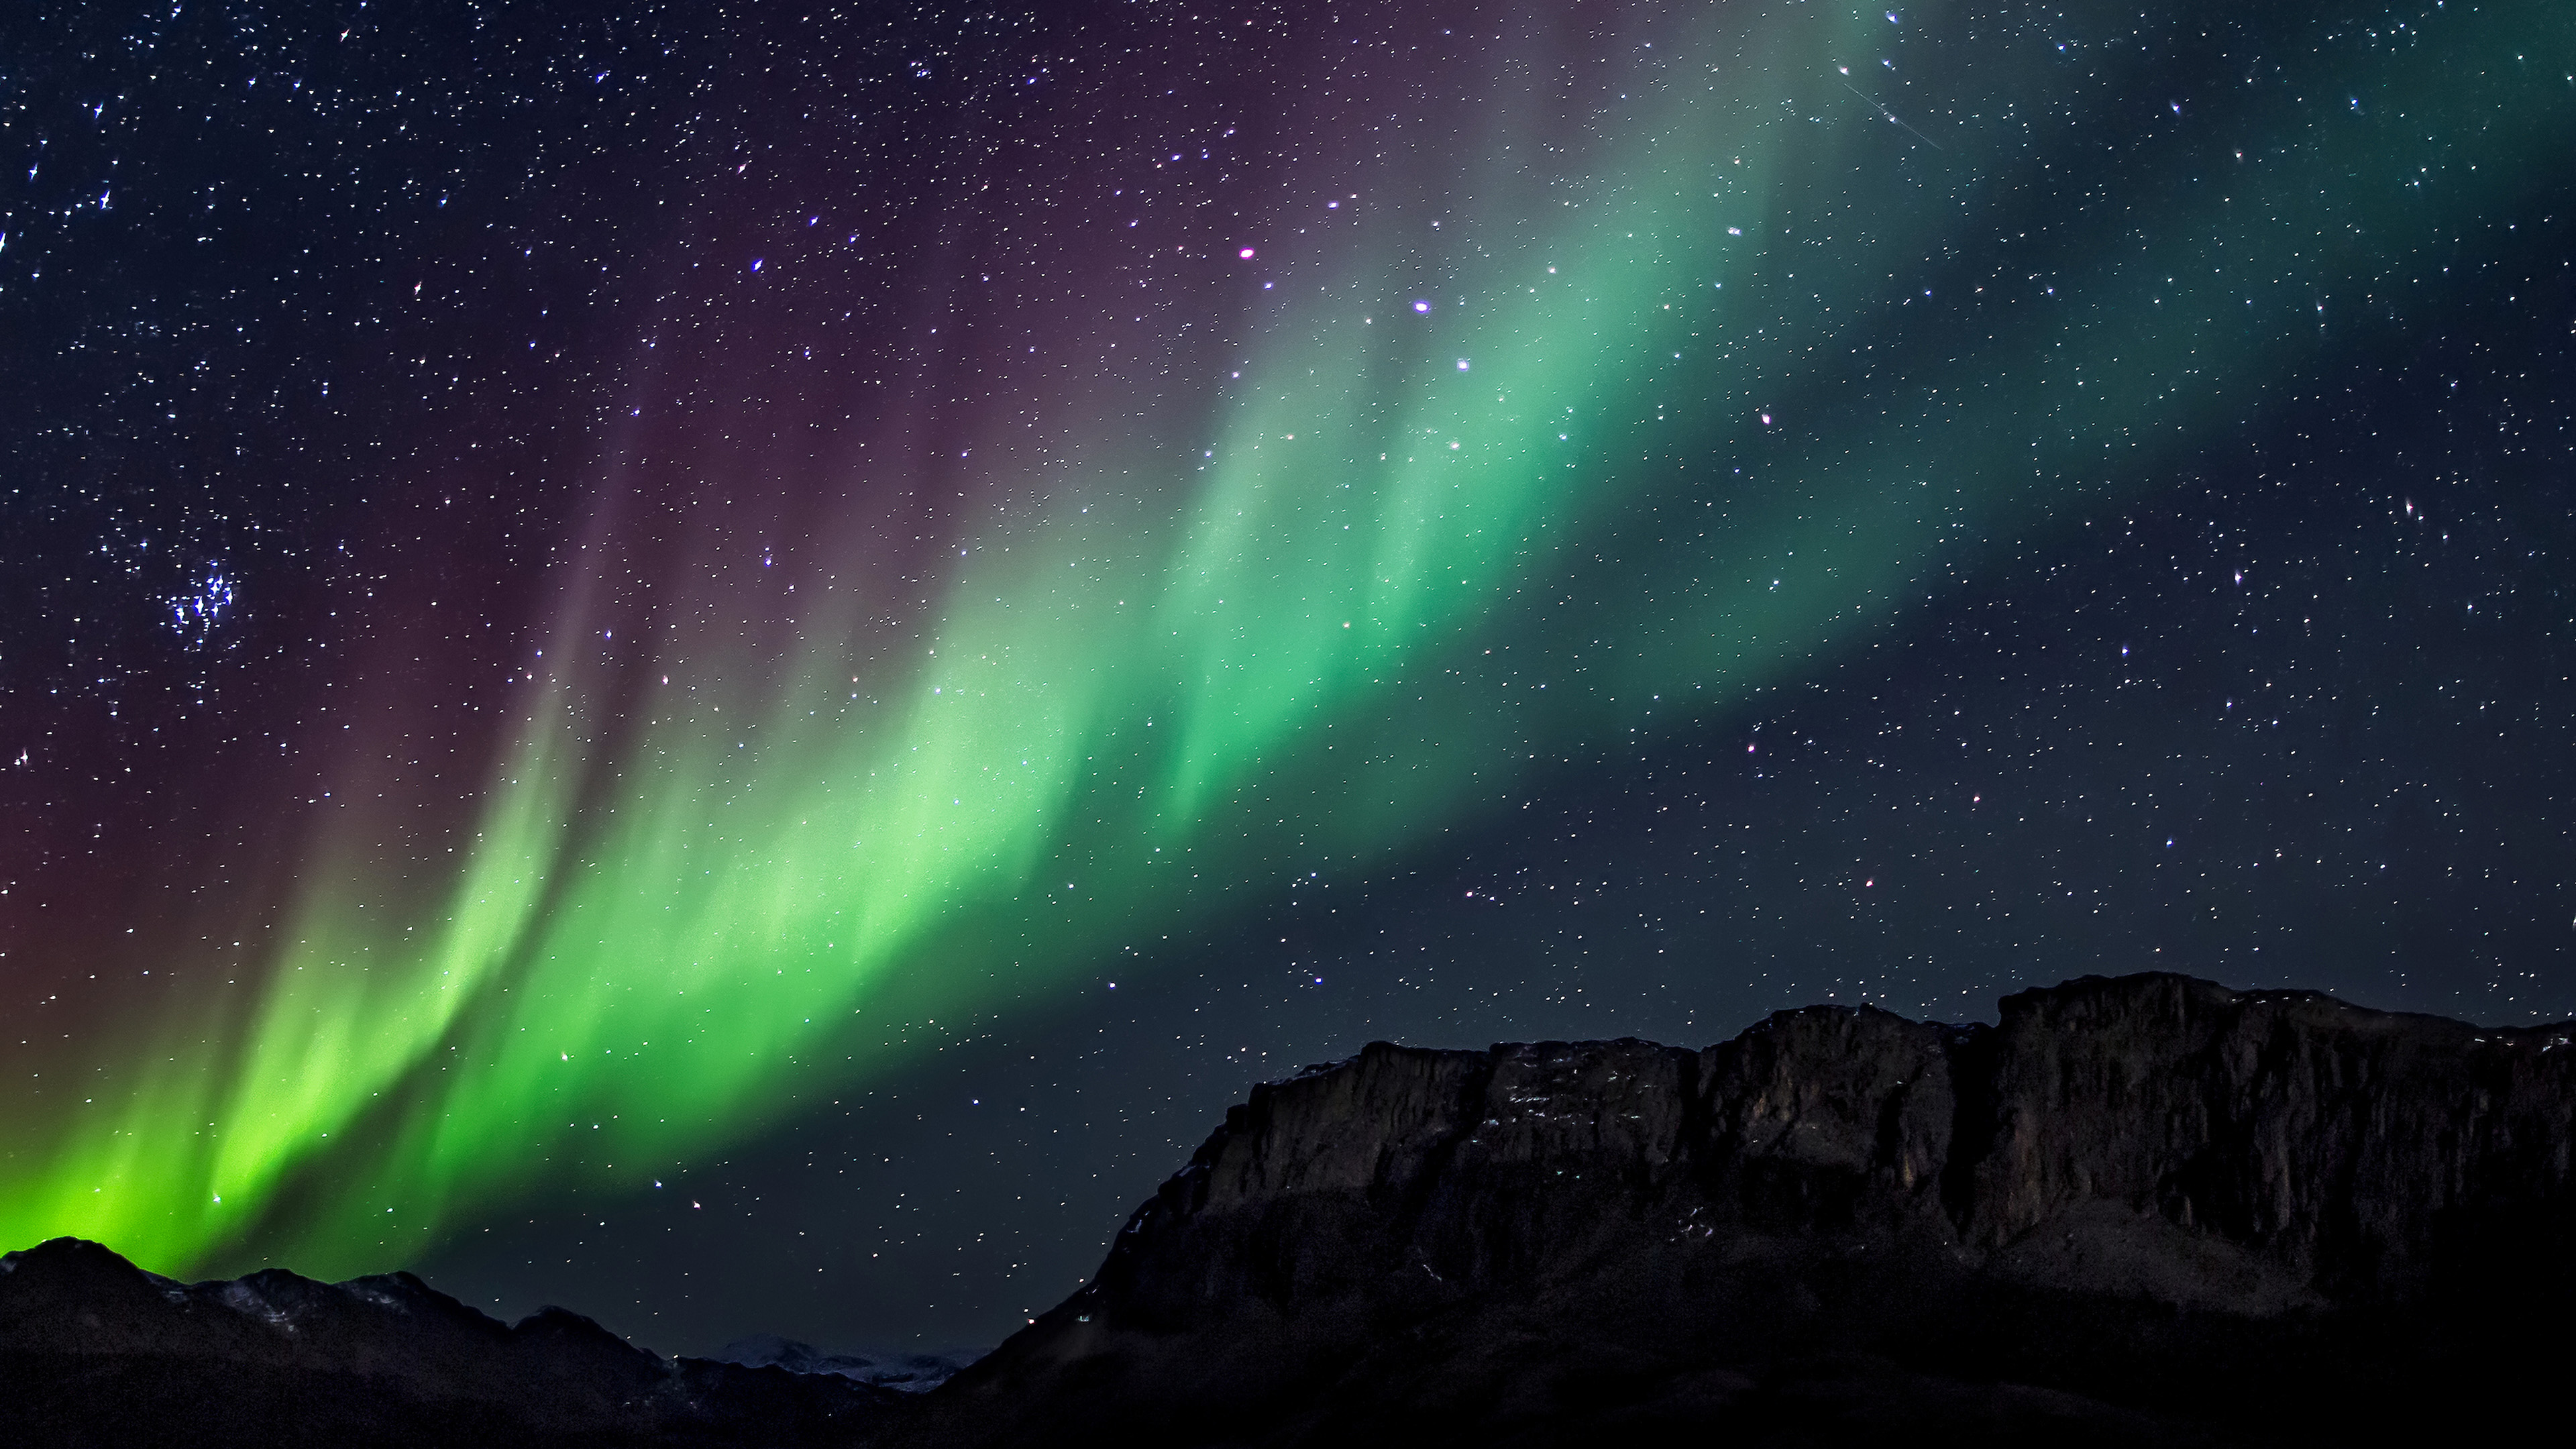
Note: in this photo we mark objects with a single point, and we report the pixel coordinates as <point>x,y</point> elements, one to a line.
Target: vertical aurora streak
<point>1630,411</point>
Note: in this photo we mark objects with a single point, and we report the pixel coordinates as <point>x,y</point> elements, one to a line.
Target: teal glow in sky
<point>1558,415</point>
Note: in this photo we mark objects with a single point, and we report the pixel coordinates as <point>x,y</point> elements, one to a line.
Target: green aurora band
<point>1329,636</point>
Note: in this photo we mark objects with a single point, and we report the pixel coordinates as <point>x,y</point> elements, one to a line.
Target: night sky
<point>733,664</point>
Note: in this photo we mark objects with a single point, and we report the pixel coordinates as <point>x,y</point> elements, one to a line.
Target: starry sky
<point>733,663</point>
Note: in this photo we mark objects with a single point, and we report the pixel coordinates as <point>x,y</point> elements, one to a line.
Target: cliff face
<point>2126,1187</point>
<point>2321,1151</point>
<point>2349,1148</point>
<point>94,1351</point>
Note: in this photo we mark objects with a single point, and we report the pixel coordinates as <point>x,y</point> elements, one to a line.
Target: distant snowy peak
<point>910,1373</point>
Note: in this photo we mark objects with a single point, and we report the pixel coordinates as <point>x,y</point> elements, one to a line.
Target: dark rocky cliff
<point>2148,1209</point>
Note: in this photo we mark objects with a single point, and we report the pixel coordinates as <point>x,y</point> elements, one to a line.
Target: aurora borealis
<point>637,583</point>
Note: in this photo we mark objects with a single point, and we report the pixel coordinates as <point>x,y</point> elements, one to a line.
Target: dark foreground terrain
<point>2148,1210</point>
<point>94,1351</point>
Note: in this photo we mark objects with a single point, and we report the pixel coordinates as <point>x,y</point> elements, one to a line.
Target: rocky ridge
<point>96,1352</point>
<point>2150,1207</point>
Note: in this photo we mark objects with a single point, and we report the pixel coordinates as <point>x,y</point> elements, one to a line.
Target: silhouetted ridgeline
<point>2145,1210</point>
<point>2162,1207</point>
<point>94,1351</point>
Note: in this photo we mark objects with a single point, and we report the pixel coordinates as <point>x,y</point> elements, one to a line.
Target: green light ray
<point>1328,650</point>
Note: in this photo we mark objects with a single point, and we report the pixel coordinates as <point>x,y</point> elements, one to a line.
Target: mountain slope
<point>2148,1209</point>
<point>95,1351</point>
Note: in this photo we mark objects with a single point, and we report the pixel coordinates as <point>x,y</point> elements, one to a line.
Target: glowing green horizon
<point>1340,615</point>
